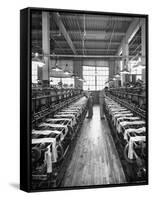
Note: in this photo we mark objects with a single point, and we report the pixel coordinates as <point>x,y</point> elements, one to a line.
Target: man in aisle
<point>90,106</point>
<point>101,104</point>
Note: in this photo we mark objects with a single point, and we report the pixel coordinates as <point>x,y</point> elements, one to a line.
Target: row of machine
<point>52,141</point>
<point>129,133</point>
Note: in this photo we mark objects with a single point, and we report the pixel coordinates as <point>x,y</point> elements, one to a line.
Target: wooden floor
<point>95,160</point>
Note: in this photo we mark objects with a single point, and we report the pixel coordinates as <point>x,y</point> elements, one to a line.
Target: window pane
<point>95,75</point>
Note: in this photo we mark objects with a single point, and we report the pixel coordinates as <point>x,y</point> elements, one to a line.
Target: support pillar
<point>78,70</point>
<point>46,46</point>
<point>143,50</point>
<point>111,72</point>
<point>125,53</point>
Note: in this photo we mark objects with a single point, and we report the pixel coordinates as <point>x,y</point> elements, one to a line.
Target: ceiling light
<point>124,71</point>
<point>66,72</point>
<point>81,79</point>
<point>38,61</point>
<point>36,54</point>
<point>117,75</point>
<point>57,69</point>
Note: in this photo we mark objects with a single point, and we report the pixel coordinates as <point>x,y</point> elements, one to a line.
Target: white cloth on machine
<point>114,118</point>
<point>131,144</point>
<point>73,117</point>
<point>124,123</point>
<point>48,140</point>
<point>133,130</point>
<point>59,119</point>
<point>129,118</point>
<point>55,126</point>
<point>48,132</point>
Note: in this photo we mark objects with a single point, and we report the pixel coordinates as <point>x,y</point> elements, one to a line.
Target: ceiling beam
<point>90,49</point>
<point>78,42</point>
<point>70,32</point>
<point>38,44</point>
<point>96,18</point>
<point>92,42</point>
<point>62,29</point>
<point>86,56</point>
<point>88,17</point>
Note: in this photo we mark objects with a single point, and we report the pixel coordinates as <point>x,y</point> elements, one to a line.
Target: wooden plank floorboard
<point>95,160</point>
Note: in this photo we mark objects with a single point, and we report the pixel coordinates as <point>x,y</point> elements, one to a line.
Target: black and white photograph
<point>88,99</point>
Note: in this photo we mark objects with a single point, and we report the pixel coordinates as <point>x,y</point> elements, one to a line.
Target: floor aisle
<point>95,160</point>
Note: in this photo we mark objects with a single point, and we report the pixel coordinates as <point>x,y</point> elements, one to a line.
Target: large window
<point>95,77</point>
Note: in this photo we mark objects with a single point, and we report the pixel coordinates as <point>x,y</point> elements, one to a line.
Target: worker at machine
<point>90,106</point>
<point>101,103</point>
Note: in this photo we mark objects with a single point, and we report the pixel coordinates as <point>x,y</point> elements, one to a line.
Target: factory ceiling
<point>79,34</point>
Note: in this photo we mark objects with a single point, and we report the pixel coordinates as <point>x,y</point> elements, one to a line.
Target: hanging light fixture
<point>66,71</point>
<point>141,66</point>
<point>124,71</point>
<point>117,75</point>
<point>56,68</point>
<point>139,63</point>
<point>81,79</point>
<point>77,77</point>
<point>74,75</point>
<point>36,60</point>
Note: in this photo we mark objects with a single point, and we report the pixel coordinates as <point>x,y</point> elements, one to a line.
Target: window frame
<point>97,73</point>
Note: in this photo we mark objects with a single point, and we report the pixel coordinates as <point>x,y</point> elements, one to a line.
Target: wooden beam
<point>62,29</point>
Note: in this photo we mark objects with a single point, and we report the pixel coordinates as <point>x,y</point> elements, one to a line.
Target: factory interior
<point>89,113</point>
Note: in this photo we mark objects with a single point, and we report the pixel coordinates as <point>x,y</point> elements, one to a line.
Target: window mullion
<point>95,78</point>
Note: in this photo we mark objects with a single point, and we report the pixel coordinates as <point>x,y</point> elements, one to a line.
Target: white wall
<point>9,101</point>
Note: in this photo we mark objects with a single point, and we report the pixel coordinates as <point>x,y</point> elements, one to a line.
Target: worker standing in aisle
<point>90,106</point>
<point>101,104</point>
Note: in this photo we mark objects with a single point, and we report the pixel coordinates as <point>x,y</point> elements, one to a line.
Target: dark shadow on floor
<point>15,185</point>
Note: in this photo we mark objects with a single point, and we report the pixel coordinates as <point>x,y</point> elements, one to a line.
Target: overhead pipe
<point>85,56</point>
